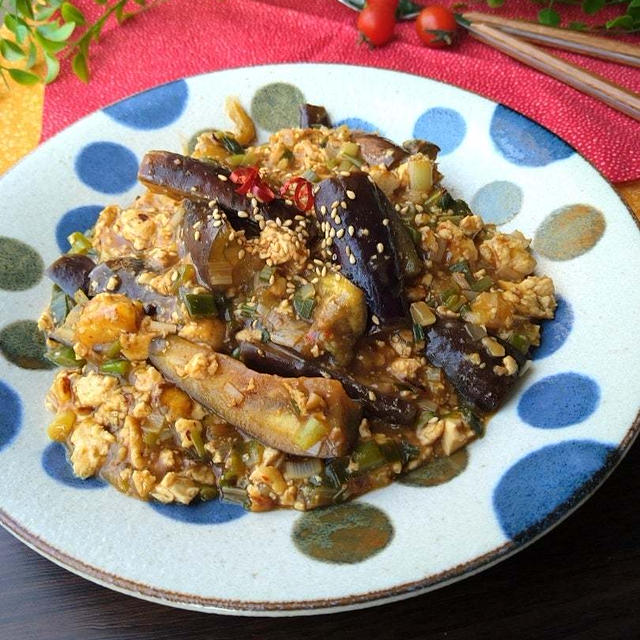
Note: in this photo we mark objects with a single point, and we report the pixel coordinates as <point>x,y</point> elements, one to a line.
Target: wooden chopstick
<point>584,43</point>
<point>585,81</point>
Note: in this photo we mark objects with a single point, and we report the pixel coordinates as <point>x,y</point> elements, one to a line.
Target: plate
<point>570,421</point>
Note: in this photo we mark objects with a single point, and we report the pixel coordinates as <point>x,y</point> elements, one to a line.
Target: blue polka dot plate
<point>567,425</point>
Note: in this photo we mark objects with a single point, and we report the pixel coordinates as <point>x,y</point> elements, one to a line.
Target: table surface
<point>582,580</point>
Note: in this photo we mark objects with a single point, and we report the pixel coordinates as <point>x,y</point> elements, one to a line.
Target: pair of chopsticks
<point>513,37</point>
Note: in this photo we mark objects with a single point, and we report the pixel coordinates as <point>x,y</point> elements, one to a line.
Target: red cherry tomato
<point>436,26</point>
<point>376,23</point>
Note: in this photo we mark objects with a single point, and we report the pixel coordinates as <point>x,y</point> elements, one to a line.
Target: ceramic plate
<point>568,424</point>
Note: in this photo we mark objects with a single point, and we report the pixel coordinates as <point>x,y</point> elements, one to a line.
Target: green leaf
<point>24,7</point>
<point>53,68</point>
<point>621,22</point>
<point>407,9</point>
<point>10,50</point>
<point>23,77</point>
<point>578,26</point>
<point>56,33</point>
<point>549,17</point>
<point>634,3</point>
<point>71,13</point>
<point>45,13</point>
<point>590,7</point>
<point>17,26</point>
<point>494,4</point>
<point>33,55</point>
<point>80,66</point>
<point>48,45</point>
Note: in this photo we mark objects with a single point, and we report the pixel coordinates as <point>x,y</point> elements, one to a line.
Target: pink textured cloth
<point>184,37</point>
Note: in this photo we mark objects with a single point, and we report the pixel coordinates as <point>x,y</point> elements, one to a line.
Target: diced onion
<point>299,469</point>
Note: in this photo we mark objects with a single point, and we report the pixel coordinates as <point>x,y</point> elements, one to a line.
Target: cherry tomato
<point>436,26</point>
<point>376,23</point>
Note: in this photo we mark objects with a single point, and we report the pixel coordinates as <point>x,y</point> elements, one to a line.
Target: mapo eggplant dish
<point>290,324</point>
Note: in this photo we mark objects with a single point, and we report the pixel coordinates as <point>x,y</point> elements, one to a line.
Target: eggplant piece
<point>121,276</point>
<point>302,416</point>
<point>272,358</point>
<point>449,346</point>
<point>376,150</point>
<point>422,146</point>
<point>378,274</point>
<point>312,116</point>
<point>181,176</point>
<point>71,272</point>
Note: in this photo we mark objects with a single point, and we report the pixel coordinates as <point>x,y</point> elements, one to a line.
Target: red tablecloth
<point>184,37</point>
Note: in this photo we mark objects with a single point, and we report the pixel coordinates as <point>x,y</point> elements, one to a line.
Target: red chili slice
<point>262,192</point>
<point>302,192</point>
<point>246,178</point>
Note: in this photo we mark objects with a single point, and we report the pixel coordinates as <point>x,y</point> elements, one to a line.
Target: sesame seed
<point>315,280</point>
<point>324,271</point>
<point>232,235</point>
<point>332,233</point>
<point>287,223</point>
<point>343,204</point>
<point>243,214</point>
<point>340,233</point>
<point>351,230</point>
<point>329,241</point>
<point>380,247</point>
<point>352,259</point>
<point>193,189</point>
<point>334,204</point>
<point>351,195</point>
<point>262,225</point>
<point>375,320</point>
<point>217,223</point>
<point>337,220</point>
<point>174,276</point>
<point>323,210</point>
<point>177,162</point>
<point>346,174</point>
<point>259,217</point>
<point>212,204</point>
<point>272,279</point>
<point>365,232</point>
<point>222,177</point>
<point>385,222</point>
<point>196,235</point>
<point>254,202</point>
<point>241,254</point>
<point>372,396</point>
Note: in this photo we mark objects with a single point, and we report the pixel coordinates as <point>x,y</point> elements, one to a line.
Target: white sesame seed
<point>337,220</point>
<point>177,162</point>
<point>340,233</point>
<point>375,320</point>
<point>346,174</point>
<point>352,259</point>
<point>351,230</point>
<point>222,177</point>
<point>243,214</point>
<point>372,396</point>
<point>196,235</point>
<point>323,210</point>
<point>217,223</point>
<point>385,222</point>
<point>343,204</point>
<point>351,195</point>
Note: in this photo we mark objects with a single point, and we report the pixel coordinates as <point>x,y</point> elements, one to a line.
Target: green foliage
<point>49,26</point>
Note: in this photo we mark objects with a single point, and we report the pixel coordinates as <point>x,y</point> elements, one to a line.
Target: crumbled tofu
<point>431,431</point>
<point>185,428</point>
<point>90,443</point>
<point>136,444</point>
<point>493,347</point>
<point>90,390</point>
<point>456,434</point>
<point>143,481</point>
<point>269,476</point>
<point>405,369</point>
<point>459,245</point>
<point>199,366</point>
<point>146,378</point>
<point>533,297</point>
<point>509,254</point>
<point>174,487</point>
<point>471,225</point>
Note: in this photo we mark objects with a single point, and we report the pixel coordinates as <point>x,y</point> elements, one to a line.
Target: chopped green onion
<point>265,273</point>
<point>234,468</point>
<point>455,302</point>
<point>303,301</point>
<point>64,357</point>
<point>421,314</point>
<point>80,297</point>
<point>520,342</point>
<point>118,367</point>
<point>418,333</point>
<point>304,468</point>
<point>356,162</point>
<point>447,293</point>
<point>433,198</point>
<point>247,310</point>
<point>446,201</point>
<point>367,455</point>
<point>265,336</point>
<point>208,492</point>
<point>335,471</point>
<point>310,175</point>
<point>461,208</point>
<point>454,219</point>
<point>472,420</point>
<point>200,304</point>
<point>79,243</point>
<point>241,159</point>
<point>252,452</point>
<point>462,267</point>
<point>420,171</point>
<point>482,284</point>
<point>310,433</point>
<point>186,273</point>
<point>234,494</point>
<point>414,233</point>
<point>228,142</point>
<point>60,305</point>
<point>198,444</point>
<point>423,418</point>
<point>112,350</point>
<point>350,148</point>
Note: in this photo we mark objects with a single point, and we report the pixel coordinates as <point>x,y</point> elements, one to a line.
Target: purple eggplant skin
<point>376,150</point>
<point>120,276</point>
<point>71,272</point>
<point>373,219</point>
<point>449,345</point>
<point>421,146</point>
<point>181,176</point>
<point>313,116</point>
<point>198,234</point>
<point>269,357</point>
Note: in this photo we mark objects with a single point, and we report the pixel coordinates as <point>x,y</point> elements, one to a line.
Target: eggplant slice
<point>71,273</point>
<point>313,116</point>
<point>181,176</point>
<point>121,276</point>
<point>366,227</point>
<point>450,347</point>
<point>302,416</point>
<point>376,150</point>
<point>272,358</point>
